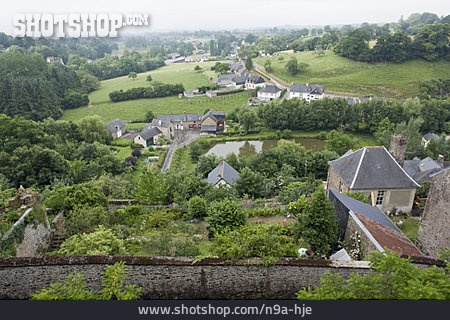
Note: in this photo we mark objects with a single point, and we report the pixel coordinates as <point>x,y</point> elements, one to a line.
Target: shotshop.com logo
<point>75,25</point>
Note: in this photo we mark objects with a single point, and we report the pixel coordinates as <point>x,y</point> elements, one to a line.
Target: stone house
<point>148,137</point>
<point>366,228</point>
<point>434,229</point>
<point>223,174</point>
<point>427,138</point>
<point>425,169</point>
<point>212,122</point>
<point>374,172</point>
<point>116,128</point>
<point>183,121</point>
<point>307,92</point>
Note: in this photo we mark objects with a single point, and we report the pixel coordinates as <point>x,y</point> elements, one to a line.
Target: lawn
<point>135,110</point>
<point>347,76</point>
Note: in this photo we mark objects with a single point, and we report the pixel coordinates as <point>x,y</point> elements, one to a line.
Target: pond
<point>252,147</point>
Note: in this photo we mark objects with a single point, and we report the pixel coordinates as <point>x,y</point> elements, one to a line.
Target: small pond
<point>252,147</point>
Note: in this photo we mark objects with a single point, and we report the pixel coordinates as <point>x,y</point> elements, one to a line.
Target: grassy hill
<point>135,110</point>
<point>347,76</point>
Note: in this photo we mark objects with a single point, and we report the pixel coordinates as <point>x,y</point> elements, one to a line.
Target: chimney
<point>441,160</point>
<point>398,147</point>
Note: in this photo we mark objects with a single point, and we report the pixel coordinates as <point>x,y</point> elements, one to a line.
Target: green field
<point>347,76</point>
<point>135,110</point>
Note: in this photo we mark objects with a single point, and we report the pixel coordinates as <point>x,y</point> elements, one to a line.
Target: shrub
<point>158,219</point>
<point>197,207</point>
<point>84,219</point>
<point>225,214</point>
<point>265,242</point>
<point>67,198</point>
<point>101,242</point>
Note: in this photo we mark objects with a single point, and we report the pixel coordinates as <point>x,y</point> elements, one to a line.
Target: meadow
<point>135,110</point>
<point>343,75</point>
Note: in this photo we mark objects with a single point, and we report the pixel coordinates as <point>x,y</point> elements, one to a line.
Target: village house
<point>365,229</point>
<point>269,92</point>
<point>425,169</point>
<point>374,172</point>
<point>223,174</point>
<point>148,137</point>
<point>183,121</point>
<point>427,138</point>
<point>167,128</point>
<point>116,128</point>
<point>54,60</point>
<point>254,82</point>
<point>212,122</point>
<point>307,92</point>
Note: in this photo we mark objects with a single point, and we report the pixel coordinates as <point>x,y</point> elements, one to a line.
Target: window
<point>380,198</point>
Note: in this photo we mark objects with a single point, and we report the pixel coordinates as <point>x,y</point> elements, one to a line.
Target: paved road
<point>182,138</point>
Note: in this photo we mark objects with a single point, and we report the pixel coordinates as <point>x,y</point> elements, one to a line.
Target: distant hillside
<point>347,76</point>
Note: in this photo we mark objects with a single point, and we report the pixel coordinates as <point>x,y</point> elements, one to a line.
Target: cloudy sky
<point>229,14</point>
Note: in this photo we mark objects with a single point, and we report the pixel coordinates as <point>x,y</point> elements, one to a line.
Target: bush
<point>197,207</point>
<point>84,219</point>
<point>67,198</point>
<point>225,214</point>
<point>101,242</point>
<point>157,90</point>
<point>164,245</point>
<point>158,219</point>
<point>265,242</point>
<point>74,287</point>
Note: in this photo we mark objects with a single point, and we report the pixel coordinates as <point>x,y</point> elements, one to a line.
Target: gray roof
<point>255,79</point>
<point>160,123</point>
<point>431,136</point>
<point>307,88</point>
<point>372,168</point>
<point>270,88</point>
<point>239,80</point>
<point>235,66</point>
<point>179,117</point>
<point>113,125</point>
<point>226,77</point>
<point>223,171</point>
<point>149,133</point>
<point>209,128</point>
<point>423,170</point>
<point>216,115</point>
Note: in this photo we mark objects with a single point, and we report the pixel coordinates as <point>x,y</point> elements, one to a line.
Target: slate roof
<point>112,126</point>
<point>255,79</point>
<point>270,88</point>
<point>372,168</point>
<point>378,226</point>
<point>226,77</point>
<point>209,128</point>
<point>223,171</point>
<point>179,117</point>
<point>431,136</point>
<point>307,88</point>
<point>235,66</point>
<point>216,115</point>
<point>423,170</point>
<point>160,123</point>
<point>149,133</point>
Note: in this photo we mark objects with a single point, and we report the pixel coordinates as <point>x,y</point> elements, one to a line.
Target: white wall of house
<point>251,85</point>
<point>305,96</point>
<point>390,199</point>
<point>269,96</point>
<point>138,140</point>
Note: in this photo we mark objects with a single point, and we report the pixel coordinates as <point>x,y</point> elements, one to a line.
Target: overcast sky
<point>229,14</point>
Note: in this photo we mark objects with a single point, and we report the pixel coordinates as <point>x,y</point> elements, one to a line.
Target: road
<point>182,138</point>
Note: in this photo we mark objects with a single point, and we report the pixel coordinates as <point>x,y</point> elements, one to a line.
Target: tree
<point>268,65</point>
<point>149,78</point>
<point>292,66</point>
<point>92,129</point>
<point>133,75</point>
<point>384,132</point>
<point>339,142</point>
<point>249,64</point>
<point>74,287</point>
<point>318,225</point>
<point>151,188</point>
<point>149,116</point>
<point>84,219</point>
<point>411,130</point>
<point>198,68</point>
<point>100,242</point>
<point>247,118</point>
<point>206,164</point>
<point>250,183</point>
<point>391,278</point>
<point>225,215</point>
<point>197,207</point>
<point>293,191</point>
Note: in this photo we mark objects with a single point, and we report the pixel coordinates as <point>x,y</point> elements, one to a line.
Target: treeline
<point>364,117</point>
<point>32,88</point>
<point>430,43</point>
<point>43,153</point>
<point>156,90</point>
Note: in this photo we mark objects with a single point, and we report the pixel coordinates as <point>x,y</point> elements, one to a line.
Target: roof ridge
<point>359,166</point>
<point>384,148</point>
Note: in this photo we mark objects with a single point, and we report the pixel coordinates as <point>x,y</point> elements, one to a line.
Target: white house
<point>254,82</point>
<point>306,92</point>
<point>269,92</point>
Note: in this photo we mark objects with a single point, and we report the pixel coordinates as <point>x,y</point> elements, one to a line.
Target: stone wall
<point>434,229</point>
<point>175,278</point>
<point>36,240</point>
<point>366,245</point>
